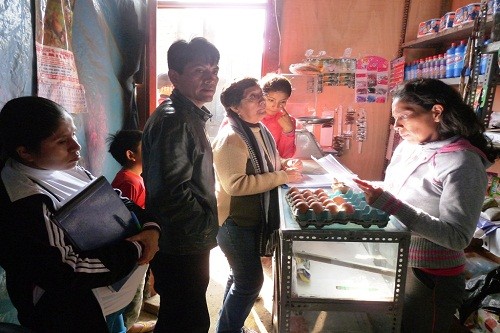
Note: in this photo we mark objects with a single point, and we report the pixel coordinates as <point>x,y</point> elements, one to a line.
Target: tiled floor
<point>260,316</point>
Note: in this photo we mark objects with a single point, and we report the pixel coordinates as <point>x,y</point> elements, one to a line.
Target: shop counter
<point>338,277</point>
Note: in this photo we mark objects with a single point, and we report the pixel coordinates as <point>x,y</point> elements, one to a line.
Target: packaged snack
<point>428,27</point>
<point>467,13</point>
<point>446,21</point>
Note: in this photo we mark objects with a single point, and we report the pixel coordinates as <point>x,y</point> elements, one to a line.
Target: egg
<point>332,208</point>
<point>296,201</point>
<point>292,190</point>
<point>302,207</point>
<point>347,208</point>
<point>322,196</point>
<point>311,199</point>
<point>319,191</point>
<point>307,193</point>
<point>339,200</point>
<point>327,201</point>
<point>297,196</point>
<point>317,207</point>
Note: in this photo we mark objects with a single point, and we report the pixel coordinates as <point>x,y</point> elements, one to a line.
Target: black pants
<point>182,282</point>
<point>431,301</point>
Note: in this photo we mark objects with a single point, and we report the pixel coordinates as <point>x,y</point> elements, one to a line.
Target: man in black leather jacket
<point>180,187</point>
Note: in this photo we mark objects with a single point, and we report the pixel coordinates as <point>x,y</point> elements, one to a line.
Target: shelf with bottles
<point>448,66</point>
<point>447,36</point>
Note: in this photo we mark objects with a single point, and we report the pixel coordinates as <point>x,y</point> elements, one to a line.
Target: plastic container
<point>450,61</point>
<point>442,66</point>
<point>407,71</point>
<point>446,21</point>
<point>420,68</point>
<point>459,59</point>
<point>467,13</point>
<point>428,27</point>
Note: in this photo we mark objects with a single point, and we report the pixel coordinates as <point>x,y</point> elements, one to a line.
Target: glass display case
<point>340,277</point>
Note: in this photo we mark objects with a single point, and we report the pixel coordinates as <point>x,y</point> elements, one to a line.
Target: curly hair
<point>233,94</point>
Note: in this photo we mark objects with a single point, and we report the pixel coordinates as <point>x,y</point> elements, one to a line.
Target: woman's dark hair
<point>457,118</point>
<point>275,82</point>
<point>233,94</point>
<point>27,121</point>
<point>180,53</point>
<point>122,141</point>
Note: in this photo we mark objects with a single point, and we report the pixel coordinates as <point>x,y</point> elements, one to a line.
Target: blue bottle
<point>459,59</point>
<point>450,61</point>
<point>407,72</point>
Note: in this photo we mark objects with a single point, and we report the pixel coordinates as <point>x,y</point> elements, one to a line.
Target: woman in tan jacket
<point>248,171</point>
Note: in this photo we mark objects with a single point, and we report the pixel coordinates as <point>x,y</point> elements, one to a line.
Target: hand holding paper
<point>371,193</point>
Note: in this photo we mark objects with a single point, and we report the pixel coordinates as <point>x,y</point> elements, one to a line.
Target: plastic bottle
<point>420,68</point>
<point>450,60</point>
<point>442,66</point>
<point>407,72</point>
<point>414,70</point>
<point>435,67</point>
<point>484,59</point>
<point>459,59</point>
<point>425,68</point>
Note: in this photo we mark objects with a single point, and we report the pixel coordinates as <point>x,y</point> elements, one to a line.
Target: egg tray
<point>363,215</point>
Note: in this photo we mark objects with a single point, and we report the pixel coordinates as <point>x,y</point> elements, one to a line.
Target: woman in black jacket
<point>54,286</point>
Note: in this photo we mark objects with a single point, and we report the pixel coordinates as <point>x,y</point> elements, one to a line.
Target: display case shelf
<point>352,270</point>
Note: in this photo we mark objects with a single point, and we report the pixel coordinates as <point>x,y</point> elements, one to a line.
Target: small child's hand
<point>285,121</point>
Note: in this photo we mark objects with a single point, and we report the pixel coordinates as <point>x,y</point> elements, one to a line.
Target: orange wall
<point>369,27</point>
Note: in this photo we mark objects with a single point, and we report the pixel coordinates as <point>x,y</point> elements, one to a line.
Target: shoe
<point>142,327</point>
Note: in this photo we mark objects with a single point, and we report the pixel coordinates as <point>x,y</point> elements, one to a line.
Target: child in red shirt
<point>126,148</point>
<point>277,89</point>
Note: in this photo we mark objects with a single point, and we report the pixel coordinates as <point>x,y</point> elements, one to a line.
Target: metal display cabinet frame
<point>284,300</point>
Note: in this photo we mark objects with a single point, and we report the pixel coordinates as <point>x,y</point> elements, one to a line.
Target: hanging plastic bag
<point>476,290</point>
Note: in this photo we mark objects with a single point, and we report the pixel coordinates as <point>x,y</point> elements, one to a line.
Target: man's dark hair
<point>181,53</point>
<point>122,141</point>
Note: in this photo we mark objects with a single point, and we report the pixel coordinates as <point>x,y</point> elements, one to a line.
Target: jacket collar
<point>178,98</point>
